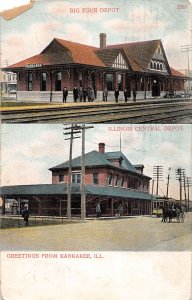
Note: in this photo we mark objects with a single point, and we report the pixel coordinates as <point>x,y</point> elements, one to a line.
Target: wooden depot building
<point>140,65</point>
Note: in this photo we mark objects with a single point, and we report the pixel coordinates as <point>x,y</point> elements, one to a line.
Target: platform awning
<point>61,189</point>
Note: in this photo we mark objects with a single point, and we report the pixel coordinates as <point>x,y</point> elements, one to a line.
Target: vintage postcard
<point>129,209</point>
<point>96,195</point>
<point>96,61</point>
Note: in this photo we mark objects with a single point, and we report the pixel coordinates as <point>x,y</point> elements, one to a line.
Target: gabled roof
<point>95,158</point>
<point>60,52</point>
<point>125,162</point>
<point>108,55</point>
<point>64,52</point>
<point>61,189</point>
<point>82,54</point>
<point>140,52</point>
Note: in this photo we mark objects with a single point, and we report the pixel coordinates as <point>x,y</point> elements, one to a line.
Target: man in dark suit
<point>25,215</point>
<point>65,94</point>
<point>116,95</point>
<point>75,94</point>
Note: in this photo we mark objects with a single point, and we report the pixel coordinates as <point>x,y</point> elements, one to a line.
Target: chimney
<point>103,40</point>
<point>101,147</point>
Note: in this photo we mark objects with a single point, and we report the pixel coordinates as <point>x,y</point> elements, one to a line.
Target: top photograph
<point>96,62</point>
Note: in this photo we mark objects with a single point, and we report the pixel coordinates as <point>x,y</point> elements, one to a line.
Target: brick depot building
<point>110,179</point>
<point>142,66</point>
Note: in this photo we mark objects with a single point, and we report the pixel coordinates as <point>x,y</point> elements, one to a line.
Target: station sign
<point>34,65</point>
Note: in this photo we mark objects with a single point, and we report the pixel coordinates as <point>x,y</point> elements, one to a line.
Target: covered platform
<point>51,199</point>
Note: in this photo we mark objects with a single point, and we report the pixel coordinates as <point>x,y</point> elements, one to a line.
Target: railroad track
<point>151,111</point>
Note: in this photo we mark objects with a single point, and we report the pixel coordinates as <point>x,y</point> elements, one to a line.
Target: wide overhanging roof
<point>61,189</point>
<point>63,53</point>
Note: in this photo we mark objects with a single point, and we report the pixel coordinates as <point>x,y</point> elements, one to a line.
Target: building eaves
<point>61,189</point>
<point>97,159</point>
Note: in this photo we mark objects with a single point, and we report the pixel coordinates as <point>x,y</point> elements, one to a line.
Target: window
<point>120,82</point>
<point>116,180</point>
<point>76,177</point>
<point>142,84</point>
<point>110,178</point>
<point>80,79</point>
<point>122,181</point>
<point>109,82</point>
<point>61,178</point>
<point>155,67</point>
<point>58,81</point>
<point>161,67</point>
<point>151,65</point>
<point>30,81</point>
<point>43,81</point>
<point>95,178</point>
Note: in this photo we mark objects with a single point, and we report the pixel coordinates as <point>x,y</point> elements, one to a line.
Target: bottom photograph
<point>96,187</point>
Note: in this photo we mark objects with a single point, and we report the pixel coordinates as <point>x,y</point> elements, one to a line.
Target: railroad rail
<point>142,112</point>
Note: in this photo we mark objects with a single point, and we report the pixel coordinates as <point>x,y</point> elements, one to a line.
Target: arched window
<point>155,66</point>
<point>151,65</point>
<point>30,81</point>
<point>58,81</point>
<point>161,67</point>
<point>43,81</point>
<point>80,79</point>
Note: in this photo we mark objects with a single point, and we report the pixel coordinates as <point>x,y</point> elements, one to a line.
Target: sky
<point>132,20</point>
<point>28,151</point>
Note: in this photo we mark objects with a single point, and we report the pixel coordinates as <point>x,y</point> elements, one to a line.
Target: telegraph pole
<point>83,196</point>
<point>184,185</point>
<point>179,178</point>
<point>187,49</point>
<point>168,178</point>
<point>158,176</point>
<point>189,183</point>
<point>72,132</point>
<point>152,198</point>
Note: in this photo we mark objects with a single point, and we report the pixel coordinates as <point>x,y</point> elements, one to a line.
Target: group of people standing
<point>116,94</point>
<point>84,94</point>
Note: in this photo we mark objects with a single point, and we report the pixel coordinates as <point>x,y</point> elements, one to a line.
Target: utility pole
<point>168,178</point>
<point>189,183</point>
<point>179,178</point>
<point>83,196</point>
<point>158,176</point>
<point>187,49</point>
<point>72,132</point>
<point>152,198</point>
<point>184,186</point>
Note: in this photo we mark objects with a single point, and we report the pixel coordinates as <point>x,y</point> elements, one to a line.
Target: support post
<point>83,197</point>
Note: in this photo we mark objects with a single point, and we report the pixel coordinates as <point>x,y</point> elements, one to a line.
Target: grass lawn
<point>6,222</point>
